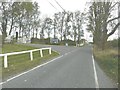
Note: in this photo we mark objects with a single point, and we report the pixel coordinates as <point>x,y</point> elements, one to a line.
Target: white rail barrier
<point>22,52</point>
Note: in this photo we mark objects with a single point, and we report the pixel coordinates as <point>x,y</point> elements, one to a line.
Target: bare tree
<point>100,17</point>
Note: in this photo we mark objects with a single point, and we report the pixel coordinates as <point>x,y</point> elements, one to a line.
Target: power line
<point>57,4</point>
<point>60,5</point>
<point>53,5</point>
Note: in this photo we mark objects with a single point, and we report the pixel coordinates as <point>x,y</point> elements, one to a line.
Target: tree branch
<point>113,5</point>
<point>113,19</point>
<point>112,32</point>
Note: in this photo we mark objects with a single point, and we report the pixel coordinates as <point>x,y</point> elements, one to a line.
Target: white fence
<point>22,52</point>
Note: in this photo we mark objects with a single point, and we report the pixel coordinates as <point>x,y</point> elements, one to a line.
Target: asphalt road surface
<point>73,69</point>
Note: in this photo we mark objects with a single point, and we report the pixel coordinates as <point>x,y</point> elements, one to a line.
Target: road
<point>73,69</point>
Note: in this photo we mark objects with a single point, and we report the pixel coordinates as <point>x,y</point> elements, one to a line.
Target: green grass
<point>20,63</point>
<point>108,61</point>
<point>7,48</point>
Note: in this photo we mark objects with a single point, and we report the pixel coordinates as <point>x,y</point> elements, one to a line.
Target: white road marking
<point>56,52</point>
<point>35,68</point>
<point>25,80</point>
<point>30,70</point>
<point>95,74</point>
<point>2,83</point>
<point>66,53</point>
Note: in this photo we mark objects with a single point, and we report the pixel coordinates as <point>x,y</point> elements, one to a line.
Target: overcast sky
<point>69,5</point>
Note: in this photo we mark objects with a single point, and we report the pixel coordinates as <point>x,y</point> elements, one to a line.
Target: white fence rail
<point>22,52</point>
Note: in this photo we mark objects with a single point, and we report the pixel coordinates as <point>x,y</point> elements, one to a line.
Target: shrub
<point>40,41</point>
<point>113,43</point>
<point>70,42</point>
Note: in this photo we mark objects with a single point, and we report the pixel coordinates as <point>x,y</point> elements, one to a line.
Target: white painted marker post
<point>50,51</point>
<point>5,61</point>
<point>31,55</point>
<point>41,53</point>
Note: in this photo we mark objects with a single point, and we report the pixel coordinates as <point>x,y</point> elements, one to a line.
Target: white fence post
<point>50,51</point>
<point>5,61</point>
<point>31,55</point>
<point>41,53</point>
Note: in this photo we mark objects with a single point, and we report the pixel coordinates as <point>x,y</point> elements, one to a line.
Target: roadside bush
<point>34,40</point>
<point>113,43</point>
<point>40,41</point>
<point>70,42</point>
<point>47,41</point>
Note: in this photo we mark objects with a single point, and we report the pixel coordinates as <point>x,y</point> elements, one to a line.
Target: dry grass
<point>108,61</point>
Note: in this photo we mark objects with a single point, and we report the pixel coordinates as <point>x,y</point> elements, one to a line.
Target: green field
<point>22,62</point>
<point>108,61</point>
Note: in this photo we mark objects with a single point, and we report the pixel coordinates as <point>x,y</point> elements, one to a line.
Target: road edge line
<point>95,73</point>
<point>1,83</point>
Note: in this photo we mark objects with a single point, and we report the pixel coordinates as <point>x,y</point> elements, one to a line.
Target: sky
<point>69,5</point>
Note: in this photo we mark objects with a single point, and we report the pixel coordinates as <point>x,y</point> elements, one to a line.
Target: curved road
<point>73,69</point>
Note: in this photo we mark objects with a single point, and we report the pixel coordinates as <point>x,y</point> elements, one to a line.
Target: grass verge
<point>108,61</point>
<point>20,63</point>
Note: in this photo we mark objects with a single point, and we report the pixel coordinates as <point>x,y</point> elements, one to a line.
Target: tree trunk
<point>78,34</point>
<point>11,27</point>
<point>4,32</point>
<point>79,37</point>
<point>65,34</point>
<point>42,33</point>
<point>33,33</point>
<point>104,41</point>
<point>62,27</point>
<point>36,32</point>
<point>75,35</point>
<point>54,29</point>
<point>20,27</point>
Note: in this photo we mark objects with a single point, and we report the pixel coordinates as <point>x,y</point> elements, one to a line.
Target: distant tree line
<point>25,17</point>
<point>66,24</point>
